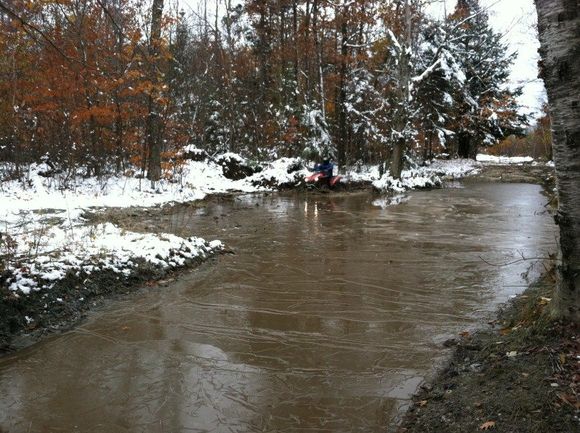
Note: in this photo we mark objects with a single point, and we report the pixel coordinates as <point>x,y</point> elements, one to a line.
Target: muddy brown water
<point>327,318</point>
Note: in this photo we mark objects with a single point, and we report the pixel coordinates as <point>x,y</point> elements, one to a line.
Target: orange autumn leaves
<point>83,97</point>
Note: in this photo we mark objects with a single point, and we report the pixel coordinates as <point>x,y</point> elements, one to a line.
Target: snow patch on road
<point>504,159</point>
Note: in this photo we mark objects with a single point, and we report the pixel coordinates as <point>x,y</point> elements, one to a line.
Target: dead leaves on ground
<point>488,425</point>
<point>565,364</point>
<point>505,331</point>
<point>570,400</point>
<point>509,329</point>
<point>544,301</point>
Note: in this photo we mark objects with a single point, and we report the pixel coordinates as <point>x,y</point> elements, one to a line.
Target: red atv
<point>322,176</point>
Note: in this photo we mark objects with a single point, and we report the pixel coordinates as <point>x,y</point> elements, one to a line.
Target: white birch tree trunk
<point>559,30</point>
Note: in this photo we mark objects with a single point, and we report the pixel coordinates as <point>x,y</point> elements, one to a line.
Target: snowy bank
<point>195,179</point>
<point>432,174</point>
<point>192,181</point>
<point>504,159</point>
<point>429,176</point>
<point>42,257</point>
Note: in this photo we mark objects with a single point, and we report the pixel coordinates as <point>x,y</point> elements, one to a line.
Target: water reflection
<point>326,319</point>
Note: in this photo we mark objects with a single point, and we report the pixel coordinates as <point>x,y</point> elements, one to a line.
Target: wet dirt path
<point>326,319</point>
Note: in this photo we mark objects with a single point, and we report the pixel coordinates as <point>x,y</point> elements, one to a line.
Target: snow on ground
<point>194,181</point>
<point>282,171</point>
<point>365,173</point>
<point>428,176</point>
<point>504,159</point>
<point>43,258</point>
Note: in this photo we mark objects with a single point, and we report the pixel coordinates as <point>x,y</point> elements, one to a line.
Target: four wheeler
<point>322,176</point>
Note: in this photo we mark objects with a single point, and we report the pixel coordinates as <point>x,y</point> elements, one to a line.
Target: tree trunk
<point>342,127</point>
<point>465,146</point>
<point>295,41</point>
<point>311,21</point>
<point>402,117</point>
<point>153,123</point>
<point>559,30</point>
<point>119,70</point>
<point>397,158</point>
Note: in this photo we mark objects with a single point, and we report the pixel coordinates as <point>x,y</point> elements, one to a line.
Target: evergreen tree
<point>399,18</point>
<point>484,108</point>
<point>365,111</point>
<point>437,77</point>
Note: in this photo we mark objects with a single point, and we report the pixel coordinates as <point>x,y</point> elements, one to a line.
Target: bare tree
<point>558,24</point>
<point>153,124</point>
<point>342,127</point>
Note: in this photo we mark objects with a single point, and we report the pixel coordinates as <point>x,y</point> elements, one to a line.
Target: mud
<point>331,312</point>
<point>540,174</point>
<point>28,319</point>
<point>521,375</point>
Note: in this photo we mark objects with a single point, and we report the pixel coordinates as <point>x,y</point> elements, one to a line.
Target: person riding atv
<point>323,174</point>
<point>326,168</point>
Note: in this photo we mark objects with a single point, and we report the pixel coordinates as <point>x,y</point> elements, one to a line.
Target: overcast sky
<point>513,18</point>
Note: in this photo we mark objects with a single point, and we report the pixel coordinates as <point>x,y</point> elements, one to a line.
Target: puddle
<point>326,319</point>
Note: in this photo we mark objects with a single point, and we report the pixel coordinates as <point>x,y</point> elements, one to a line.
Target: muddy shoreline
<point>27,320</point>
<point>520,374</point>
<point>511,173</point>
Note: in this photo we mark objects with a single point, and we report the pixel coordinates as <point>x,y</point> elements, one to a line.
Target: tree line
<point>106,86</point>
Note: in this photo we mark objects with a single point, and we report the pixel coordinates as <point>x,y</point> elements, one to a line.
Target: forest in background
<point>94,87</point>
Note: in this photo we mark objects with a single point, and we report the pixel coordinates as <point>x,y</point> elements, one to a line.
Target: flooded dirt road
<point>326,319</point>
